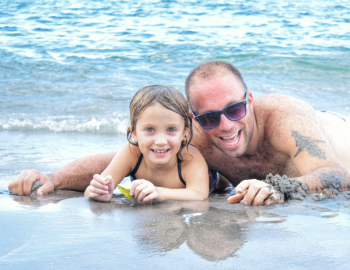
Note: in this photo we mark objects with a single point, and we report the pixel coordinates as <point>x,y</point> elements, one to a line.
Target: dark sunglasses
<point>233,112</point>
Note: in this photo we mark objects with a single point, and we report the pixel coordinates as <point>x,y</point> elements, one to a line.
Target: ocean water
<point>68,69</point>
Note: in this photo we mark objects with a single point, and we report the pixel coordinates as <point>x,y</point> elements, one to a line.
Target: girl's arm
<point>194,170</point>
<point>102,186</point>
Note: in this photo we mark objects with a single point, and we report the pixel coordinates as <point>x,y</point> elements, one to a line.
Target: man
<point>241,138</point>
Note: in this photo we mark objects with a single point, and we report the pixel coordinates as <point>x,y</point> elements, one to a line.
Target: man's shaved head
<point>210,70</point>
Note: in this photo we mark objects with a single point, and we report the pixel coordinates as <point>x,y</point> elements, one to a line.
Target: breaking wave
<point>101,125</point>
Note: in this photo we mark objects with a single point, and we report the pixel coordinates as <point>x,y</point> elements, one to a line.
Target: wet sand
<point>64,230</point>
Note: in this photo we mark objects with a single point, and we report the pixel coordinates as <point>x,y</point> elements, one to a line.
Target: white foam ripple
<point>108,125</point>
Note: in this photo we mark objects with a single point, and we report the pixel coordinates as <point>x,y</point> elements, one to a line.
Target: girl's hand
<point>144,191</point>
<point>100,189</point>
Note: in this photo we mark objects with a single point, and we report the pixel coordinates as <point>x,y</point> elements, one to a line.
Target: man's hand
<point>23,183</point>
<point>255,192</point>
<point>100,189</point>
<point>144,191</point>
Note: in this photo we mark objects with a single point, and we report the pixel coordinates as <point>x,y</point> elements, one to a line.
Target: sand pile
<point>289,188</point>
<point>35,187</point>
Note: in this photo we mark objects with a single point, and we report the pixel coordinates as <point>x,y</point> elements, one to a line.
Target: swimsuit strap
<point>179,170</point>
<point>132,174</point>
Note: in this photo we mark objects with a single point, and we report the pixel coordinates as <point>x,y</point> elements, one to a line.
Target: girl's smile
<point>160,153</point>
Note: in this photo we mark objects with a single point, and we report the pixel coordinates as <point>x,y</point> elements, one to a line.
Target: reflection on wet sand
<point>212,233</point>
<point>213,229</point>
<point>38,201</point>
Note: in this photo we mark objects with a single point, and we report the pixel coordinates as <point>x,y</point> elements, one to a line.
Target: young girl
<point>158,153</point>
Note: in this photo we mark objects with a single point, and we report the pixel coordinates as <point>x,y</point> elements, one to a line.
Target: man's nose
<point>225,123</point>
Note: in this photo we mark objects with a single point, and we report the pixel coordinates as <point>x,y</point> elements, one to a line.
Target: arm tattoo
<point>306,143</point>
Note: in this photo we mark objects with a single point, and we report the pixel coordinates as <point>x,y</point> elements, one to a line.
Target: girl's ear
<point>186,135</point>
<point>133,134</point>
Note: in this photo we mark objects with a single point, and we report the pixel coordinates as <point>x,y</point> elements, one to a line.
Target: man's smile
<point>231,140</point>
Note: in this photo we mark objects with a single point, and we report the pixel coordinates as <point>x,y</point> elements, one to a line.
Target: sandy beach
<point>64,230</point>
<point>68,70</point>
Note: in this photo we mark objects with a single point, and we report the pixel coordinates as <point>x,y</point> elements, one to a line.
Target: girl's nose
<point>161,140</point>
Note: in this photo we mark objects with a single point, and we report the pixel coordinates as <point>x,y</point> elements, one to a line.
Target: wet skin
<point>278,135</point>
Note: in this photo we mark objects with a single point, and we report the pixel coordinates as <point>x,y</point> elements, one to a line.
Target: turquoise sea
<point>68,69</point>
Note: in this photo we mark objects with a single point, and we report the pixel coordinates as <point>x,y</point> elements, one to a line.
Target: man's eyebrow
<point>228,104</point>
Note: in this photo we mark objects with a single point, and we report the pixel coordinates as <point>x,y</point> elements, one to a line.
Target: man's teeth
<point>160,152</point>
<point>228,138</point>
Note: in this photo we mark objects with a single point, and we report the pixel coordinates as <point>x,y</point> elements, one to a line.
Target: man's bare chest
<point>251,167</point>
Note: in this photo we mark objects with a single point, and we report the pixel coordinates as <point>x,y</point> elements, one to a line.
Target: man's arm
<point>74,176</point>
<point>295,131</point>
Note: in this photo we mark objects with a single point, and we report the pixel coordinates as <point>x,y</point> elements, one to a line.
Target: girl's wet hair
<point>167,96</point>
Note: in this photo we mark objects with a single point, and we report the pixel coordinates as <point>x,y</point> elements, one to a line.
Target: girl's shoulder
<point>194,168</point>
<point>191,155</point>
<point>130,152</point>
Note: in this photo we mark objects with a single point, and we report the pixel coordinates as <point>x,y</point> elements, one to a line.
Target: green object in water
<point>125,191</point>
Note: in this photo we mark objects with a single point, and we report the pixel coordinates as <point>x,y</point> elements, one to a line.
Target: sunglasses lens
<point>209,120</point>
<point>236,111</point>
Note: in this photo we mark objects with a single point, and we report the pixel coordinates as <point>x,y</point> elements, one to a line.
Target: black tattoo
<point>306,143</point>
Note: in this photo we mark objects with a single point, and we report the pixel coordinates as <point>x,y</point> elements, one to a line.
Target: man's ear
<point>250,97</point>
<point>192,116</point>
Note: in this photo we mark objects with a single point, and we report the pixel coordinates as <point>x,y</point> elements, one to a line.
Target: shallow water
<point>65,230</point>
<point>68,70</point>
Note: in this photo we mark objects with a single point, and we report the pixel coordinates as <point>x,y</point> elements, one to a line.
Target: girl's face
<point>159,133</point>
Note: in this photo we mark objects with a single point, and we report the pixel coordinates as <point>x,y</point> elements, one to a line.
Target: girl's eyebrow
<point>167,125</point>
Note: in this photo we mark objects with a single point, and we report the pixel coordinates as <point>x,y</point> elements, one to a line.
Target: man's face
<point>230,137</point>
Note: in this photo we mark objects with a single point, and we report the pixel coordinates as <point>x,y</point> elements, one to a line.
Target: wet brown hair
<point>209,70</point>
<point>167,96</point>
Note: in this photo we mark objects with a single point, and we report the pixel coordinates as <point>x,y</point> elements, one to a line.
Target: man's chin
<point>232,151</point>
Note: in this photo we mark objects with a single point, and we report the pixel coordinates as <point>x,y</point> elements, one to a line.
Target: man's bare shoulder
<point>273,103</point>
<point>274,110</point>
<point>293,128</point>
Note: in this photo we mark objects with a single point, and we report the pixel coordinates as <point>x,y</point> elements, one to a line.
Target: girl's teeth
<point>160,152</point>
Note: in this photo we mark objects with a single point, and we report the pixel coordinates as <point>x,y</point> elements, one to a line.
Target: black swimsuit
<point>132,174</point>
